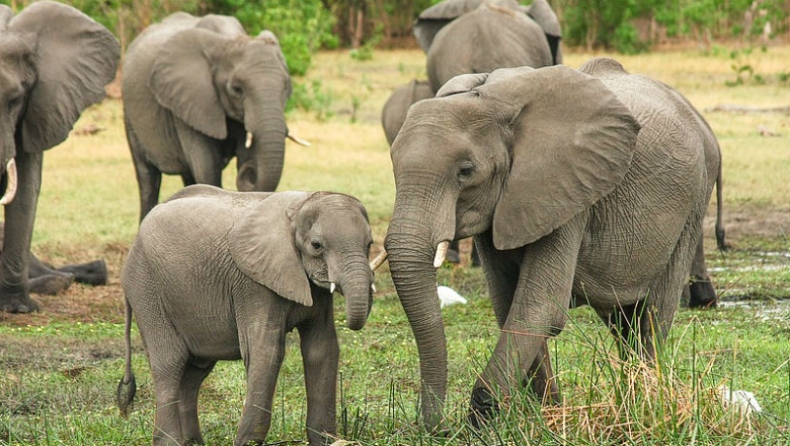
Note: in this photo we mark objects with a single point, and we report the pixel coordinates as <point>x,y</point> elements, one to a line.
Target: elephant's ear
<point>543,15</point>
<point>76,58</point>
<point>182,82</point>
<point>5,16</point>
<point>262,246</point>
<point>572,144</point>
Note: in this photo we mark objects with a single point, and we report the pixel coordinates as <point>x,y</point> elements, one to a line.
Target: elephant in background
<point>46,279</point>
<point>574,190</point>
<point>54,63</point>
<point>256,266</point>
<point>394,111</point>
<point>480,36</point>
<point>197,92</point>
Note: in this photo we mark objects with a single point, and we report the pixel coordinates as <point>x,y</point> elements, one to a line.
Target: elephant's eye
<point>465,170</point>
<point>316,245</point>
<point>236,89</point>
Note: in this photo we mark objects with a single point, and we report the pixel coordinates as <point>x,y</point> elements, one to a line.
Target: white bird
<point>449,296</point>
<point>742,400</point>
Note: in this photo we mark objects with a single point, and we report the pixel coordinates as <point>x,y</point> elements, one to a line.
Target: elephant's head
<point>294,238</point>
<point>207,79</point>
<point>514,154</point>
<point>48,76</point>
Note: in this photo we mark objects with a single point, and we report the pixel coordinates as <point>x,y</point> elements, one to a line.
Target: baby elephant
<point>218,275</point>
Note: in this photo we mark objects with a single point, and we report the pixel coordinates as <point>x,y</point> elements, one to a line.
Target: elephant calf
<point>218,275</point>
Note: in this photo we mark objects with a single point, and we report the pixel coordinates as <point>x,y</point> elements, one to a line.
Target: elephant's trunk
<point>411,257</point>
<point>262,155</point>
<point>356,287</point>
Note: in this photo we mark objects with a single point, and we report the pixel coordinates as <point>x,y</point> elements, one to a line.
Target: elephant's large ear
<point>5,16</point>
<point>182,82</point>
<point>262,246</point>
<point>573,142</point>
<point>76,58</point>
<point>543,15</point>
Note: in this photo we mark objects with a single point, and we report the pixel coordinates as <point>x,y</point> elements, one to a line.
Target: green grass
<point>59,368</point>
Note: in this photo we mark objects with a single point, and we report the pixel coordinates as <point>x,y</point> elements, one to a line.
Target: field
<point>59,368</point>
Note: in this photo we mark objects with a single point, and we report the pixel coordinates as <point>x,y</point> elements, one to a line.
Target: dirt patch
<point>751,221</point>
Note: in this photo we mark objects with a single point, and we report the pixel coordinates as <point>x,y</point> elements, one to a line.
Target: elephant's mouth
<point>9,183</point>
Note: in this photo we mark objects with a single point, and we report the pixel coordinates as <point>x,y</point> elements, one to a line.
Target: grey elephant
<point>586,186</point>
<point>219,275</point>
<point>197,92</point>
<point>479,36</point>
<point>50,74</point>
<point>394,111</point>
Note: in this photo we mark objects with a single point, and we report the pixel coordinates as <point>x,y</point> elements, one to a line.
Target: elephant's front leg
<point>320,354</point>
<point>537,313</point>
<point>20,216</point>
<point>202,156</point>
<point>263,357</point>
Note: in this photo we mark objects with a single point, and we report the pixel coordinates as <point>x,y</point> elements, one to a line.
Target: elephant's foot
<point>701,293</point>
<point>91,273</point>
<point>17,303</point>
<point>51,284</point>
<point>483,407</point>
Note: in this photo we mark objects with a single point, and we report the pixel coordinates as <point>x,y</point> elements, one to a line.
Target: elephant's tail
<point>127,387</point>
<point>719,217</point>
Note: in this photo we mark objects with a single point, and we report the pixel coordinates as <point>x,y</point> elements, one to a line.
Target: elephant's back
<point>484,40</point>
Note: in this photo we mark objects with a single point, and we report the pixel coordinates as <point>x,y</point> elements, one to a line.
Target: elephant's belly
<point>159,140</point>
<point>213,343</point>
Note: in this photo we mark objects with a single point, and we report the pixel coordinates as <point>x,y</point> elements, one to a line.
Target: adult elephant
<point>199,91</point>
<point>588,184</point>
<point>48,75</point>
<point>480,36</point>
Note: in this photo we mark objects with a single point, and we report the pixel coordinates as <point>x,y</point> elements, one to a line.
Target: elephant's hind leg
<point>193,377</point>
<point>700,292</point>
<point>168,357</point>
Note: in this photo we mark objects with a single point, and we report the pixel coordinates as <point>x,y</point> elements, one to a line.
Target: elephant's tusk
<point>378,260</point>
<point>373,287</point>
<point>332,287</point>
<point>299,140</point>
<point>248,142</point>
<point>10,191</point>
<point>441,253</point>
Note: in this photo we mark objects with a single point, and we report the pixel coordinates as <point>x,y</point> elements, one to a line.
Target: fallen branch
<point>730,108</point>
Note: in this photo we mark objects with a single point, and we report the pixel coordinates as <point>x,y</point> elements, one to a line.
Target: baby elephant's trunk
<point>127,387</point>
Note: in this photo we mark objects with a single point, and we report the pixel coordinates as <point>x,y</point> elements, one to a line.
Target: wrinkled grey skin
<point>257,265</point>
<point>567,199</point>
<point>192,88</point>
<point>48,76</point>
<point>480,36</point>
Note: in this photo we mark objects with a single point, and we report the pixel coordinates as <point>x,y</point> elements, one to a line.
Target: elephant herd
<point>579,186</point>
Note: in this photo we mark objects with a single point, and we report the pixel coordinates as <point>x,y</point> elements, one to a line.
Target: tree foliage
<point>304,26</point>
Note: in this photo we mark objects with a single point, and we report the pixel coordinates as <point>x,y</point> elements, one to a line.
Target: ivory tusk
<point>373,287</point>
<point>299,140</point>
<point>441,253</point>
<point>10,190</point>
<point>248,142</point>
<point>378,260</point>
<point>332,287</point>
